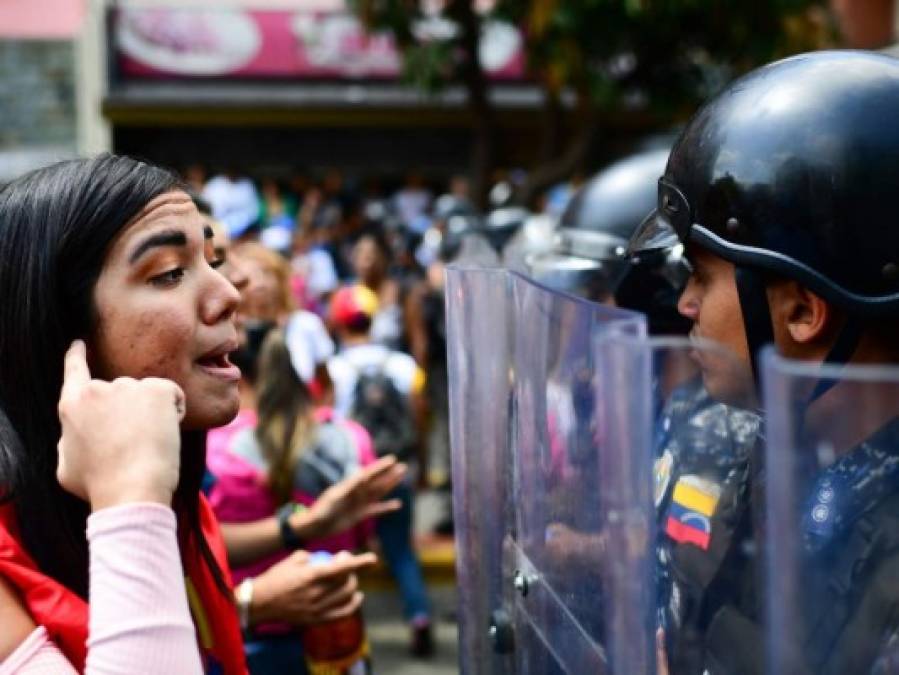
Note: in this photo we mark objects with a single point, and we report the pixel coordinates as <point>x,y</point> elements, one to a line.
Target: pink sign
<point>41,19</point>
<point>235,43</point>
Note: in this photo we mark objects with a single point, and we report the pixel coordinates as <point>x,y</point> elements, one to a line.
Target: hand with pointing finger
<point>120,440</point>
<point>302,594</point>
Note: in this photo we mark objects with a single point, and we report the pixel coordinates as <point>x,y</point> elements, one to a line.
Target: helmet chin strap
<point>756,315</point>
<point>759,330</point>
<point>840,354</point>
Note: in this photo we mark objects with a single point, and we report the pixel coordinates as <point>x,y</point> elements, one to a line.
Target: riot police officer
<point>700,443</point>
<point>782,190</point>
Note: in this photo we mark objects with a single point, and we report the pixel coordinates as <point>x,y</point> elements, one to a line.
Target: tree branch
<point>475,80</point>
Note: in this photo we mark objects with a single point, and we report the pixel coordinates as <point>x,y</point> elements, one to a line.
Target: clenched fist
<point>120,440</point>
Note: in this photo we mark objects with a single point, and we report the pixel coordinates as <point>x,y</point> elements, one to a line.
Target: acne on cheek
<point>150,344</point>
<point>166,340</point>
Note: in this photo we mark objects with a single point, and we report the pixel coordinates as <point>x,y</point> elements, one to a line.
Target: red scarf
<point>65,615</point>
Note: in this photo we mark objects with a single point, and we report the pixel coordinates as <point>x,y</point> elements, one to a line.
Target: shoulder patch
<point>692,505</point>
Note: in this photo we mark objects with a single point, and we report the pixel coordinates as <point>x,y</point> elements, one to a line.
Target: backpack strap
<point>378,368</point>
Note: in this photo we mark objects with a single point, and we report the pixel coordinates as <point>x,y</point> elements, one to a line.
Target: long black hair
<point>56,227</point>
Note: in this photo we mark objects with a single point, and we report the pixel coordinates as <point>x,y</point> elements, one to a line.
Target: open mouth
<point>218,364</point>
<point>215,361</point>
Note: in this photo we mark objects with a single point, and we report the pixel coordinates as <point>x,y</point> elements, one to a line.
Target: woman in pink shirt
<point>283,464</point>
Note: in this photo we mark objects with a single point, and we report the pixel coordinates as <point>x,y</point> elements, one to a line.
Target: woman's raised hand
<point>354,499</point>
<point>120,440</point>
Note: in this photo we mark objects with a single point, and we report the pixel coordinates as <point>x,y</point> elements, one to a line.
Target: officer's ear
<point>804,324</point>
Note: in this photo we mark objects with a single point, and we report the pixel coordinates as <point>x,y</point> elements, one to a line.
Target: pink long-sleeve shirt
<point>140,621</point>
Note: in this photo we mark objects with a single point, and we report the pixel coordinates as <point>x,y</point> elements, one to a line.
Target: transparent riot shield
<point>702,433</point>
<point>475,251</point>
<point>600,483</point>
<point>564,468</point>
<point>830,527</point>
<point>522,424</point>
<point>479,330</point>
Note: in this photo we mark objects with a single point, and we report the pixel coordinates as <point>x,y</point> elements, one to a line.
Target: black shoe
<point>445,527</point>
<point>422,646</point>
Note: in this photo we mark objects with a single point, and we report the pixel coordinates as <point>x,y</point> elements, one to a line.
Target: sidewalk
<point>388,633</point>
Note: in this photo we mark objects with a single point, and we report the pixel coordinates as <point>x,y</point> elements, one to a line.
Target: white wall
<point>93,130</point>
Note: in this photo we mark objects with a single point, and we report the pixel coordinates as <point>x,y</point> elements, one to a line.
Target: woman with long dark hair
<point>110,559</point>
<point>111,252</point>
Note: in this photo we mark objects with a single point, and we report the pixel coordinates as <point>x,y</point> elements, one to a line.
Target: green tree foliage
<point>658,52</point>
<point>656,56</point>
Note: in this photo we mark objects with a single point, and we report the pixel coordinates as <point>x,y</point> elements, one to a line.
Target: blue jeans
<point>395,532</point>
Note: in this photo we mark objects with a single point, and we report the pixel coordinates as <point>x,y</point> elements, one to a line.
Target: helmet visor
<point>653,235</point>
<point>665,227</point>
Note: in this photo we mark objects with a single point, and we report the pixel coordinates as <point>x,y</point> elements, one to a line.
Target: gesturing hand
<point>352,500</point>
<point>120,440</point>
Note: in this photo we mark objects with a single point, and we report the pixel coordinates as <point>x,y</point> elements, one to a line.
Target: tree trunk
<point>572,158</point>
<point>483,153</point>
<point>553,123</point>
<point>483,156</point>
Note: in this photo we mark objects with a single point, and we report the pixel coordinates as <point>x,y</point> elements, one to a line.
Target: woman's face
<point>163,311</point>
<point>368,263</point>
<point>262,297</point>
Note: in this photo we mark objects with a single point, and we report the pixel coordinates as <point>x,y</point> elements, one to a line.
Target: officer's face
<point>710,300</point>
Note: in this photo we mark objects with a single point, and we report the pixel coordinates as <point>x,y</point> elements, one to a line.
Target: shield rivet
<point>520,583</point>
<point>500,632</point>
<point>891,272</point>
<point>732,225</point>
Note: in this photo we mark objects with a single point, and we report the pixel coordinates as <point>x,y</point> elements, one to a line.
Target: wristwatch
<point>289,537</point>
<point>243,596</point>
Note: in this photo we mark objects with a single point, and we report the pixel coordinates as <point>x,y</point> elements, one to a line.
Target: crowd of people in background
<point>303,242</point>
<point>343,361</point>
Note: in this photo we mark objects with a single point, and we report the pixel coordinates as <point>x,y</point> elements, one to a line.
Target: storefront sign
<point>153,42</point>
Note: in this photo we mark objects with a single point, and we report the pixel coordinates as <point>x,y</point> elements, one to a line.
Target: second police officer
<point>701,445</point>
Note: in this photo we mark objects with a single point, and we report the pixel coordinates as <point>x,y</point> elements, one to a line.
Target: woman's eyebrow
<point>167,238</point>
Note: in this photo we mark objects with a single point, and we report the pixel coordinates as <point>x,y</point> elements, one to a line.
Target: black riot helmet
<point>793,171</point>
<point>613,201</point>
<point>589,256</point>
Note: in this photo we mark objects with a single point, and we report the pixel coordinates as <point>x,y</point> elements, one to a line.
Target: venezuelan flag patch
<point>692,505</point>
